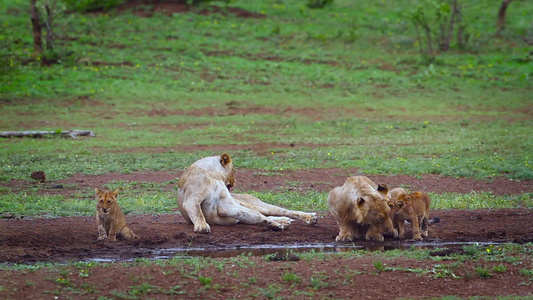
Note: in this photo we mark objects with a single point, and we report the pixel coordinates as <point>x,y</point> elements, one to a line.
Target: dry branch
<point>39,134</point>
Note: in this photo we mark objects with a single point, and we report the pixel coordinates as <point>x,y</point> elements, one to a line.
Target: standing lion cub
<point>414,208</point>
<point>109,217</point>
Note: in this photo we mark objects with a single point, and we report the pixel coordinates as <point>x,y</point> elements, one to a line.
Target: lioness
<point>414,208</point>
<point>361,205</point>
<point>109,217</point>
<point>204,198</point>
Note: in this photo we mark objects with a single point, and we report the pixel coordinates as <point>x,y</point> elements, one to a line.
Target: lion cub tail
<point>434,220</point>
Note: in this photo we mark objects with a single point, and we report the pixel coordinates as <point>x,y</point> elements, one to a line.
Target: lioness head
<point>226,162</point>
<point>106,200</point>
<point>377,211</point>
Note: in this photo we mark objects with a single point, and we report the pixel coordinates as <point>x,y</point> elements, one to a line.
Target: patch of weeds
<point>499,268</point>
<point>528,273</point>
<point>482,272</point>
<point>304,293</point>
<point>471,250</point>
<point>29,283</point>
<point>87,288</point>
<point>313,255</point>
<point>205,280</point>
<point>252,280</point>
<point>378,265</point>
<point>243,261</point>
<point>319,282</point>
<point>62,281</point>
<point>142,289</point>
<point>271,291</point>
<point>174,290</point>
<point>122,295</point>
<point>291,277</point>
<point>444,271</point>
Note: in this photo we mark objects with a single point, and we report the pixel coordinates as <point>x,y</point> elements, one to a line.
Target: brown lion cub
<point>414,208</point>
<point>109,217</point>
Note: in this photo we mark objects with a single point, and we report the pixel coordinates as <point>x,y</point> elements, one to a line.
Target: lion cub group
<point>362,208</point>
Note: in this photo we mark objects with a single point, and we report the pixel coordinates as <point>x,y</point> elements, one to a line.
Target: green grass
<point>346,84</point>
<point>154,200</point>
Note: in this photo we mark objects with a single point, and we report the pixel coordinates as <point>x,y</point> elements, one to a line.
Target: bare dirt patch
<point>75,238</point>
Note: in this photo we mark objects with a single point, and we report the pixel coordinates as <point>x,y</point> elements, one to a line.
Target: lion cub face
<point>106,200</point>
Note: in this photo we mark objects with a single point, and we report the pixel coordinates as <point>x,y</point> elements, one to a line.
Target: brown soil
<point>74,238</point>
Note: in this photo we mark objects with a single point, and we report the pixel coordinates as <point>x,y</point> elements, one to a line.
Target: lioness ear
<point>360,201</point>
<point>225,159</point>
<point>383,189</point>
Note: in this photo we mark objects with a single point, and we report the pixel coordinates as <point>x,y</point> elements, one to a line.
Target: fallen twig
<point>39,134</point>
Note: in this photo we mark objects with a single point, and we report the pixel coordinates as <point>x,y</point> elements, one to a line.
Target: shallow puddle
<point>283,250</point>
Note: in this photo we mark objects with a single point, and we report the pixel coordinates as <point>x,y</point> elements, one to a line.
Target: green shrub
<point>92,5</point>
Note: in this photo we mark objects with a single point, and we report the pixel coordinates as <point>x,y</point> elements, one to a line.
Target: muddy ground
<point>27,240</point>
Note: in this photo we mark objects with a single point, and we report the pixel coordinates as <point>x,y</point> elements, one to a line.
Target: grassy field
<point>347,80</point>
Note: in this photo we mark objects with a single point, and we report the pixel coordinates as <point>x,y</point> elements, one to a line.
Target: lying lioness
<point>109,217</point>
<point>204,198</point>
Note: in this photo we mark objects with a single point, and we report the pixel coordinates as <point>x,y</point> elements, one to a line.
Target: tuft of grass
<point>291,277</point>
<point>318,282</point>
<point>483,272</point>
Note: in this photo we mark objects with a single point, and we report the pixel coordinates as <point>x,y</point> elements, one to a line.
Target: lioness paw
<point>311,219</point>
<point>102,237</point>
<point>202,228</point>
<point>343,238</point>
<point>278,223</point>
<point>376,237</point>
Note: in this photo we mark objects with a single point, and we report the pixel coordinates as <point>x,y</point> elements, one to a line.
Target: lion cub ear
<point>225,159</point>
<point>383,189</point>
<point>115,193</point>
<point>98,192</point>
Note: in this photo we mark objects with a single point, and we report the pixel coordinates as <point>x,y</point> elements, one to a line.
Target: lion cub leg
<point>425,226</point>
<point>399,225</point>
<point>102,235</point>
<point>416,228</point>
<point>113,231</point>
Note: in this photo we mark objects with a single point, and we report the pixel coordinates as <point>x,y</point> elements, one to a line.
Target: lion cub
<point>414,208</point>
<point>109,217</point>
